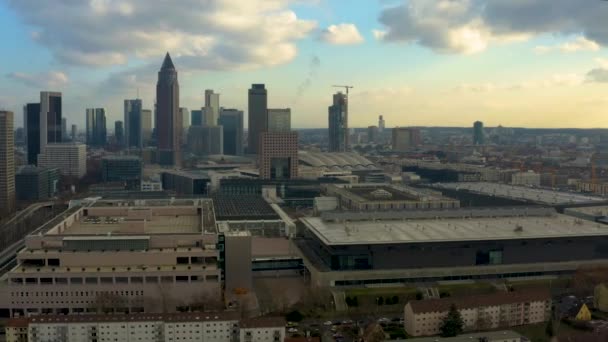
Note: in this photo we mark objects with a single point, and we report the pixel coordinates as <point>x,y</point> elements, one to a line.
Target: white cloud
<point>603,62</point>
<point>379,34</point>
<point>579,43</point>
<point>477,88</point>
<point>598,75</point>
<point>383,93</point>
<point>555,80</point>
<point>341,34</point>
<point>46,80</point>
<point>209,34</point>
<point>470,26</point>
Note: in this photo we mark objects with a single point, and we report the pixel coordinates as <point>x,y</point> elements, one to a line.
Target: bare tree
<point>106,302</point>
<point>205,301</point>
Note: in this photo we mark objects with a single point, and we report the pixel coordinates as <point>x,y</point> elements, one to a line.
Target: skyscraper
<point>119,132</point>
<point>381,124</point>
<point>232,120</point>
<point>279,120</point>
<point>64,129</point>
<point>184,114</point>
<point>50,118</point>
<point>338,124</point>
<point>196,117</point>
<point>168,121</point>
<point>132,123</point>
<point>7,164</point>
<point>372,134</point>
<point>32,123</point>
<point>146,126</point>
<point>258,115</point>
<point>96,126</point>
<point>74,132</point>
<point>478,136</point>
<point>212,107</point>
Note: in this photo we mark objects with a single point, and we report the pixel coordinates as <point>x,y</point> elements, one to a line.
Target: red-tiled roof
<point>302,339</point>
<point>263,322</point>
<point>20,322</point>
<point>467,302</point>
<point>139,317</point>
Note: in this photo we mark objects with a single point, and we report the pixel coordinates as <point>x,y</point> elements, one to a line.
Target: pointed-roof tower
<point>167,63</point>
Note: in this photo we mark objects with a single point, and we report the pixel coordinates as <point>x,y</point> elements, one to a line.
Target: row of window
<point>113,280</point>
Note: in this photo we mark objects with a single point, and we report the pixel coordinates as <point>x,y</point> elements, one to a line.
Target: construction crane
<point>345,87</point>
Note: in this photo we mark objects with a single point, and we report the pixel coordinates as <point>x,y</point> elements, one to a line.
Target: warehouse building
<point>382,197</point>
<point>441,245</point>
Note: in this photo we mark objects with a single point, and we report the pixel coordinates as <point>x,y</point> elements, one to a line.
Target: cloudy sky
<point>526,63</point>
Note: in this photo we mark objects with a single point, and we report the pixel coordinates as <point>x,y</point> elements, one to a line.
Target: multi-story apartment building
<point>482,312</point>
<point>118,257</point>
<point>69,158</point>
<point>264,329</point>
<point>192,326</point>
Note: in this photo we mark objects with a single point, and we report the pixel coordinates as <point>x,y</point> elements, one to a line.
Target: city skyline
<point>466,62</point>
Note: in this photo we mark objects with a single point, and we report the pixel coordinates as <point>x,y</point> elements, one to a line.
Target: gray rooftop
<point>451,229</point>
<point>598,210</point>
<point>491,336</point>
<point>521,193</point>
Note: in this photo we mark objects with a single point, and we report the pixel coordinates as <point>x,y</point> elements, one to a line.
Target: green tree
<point>395,300</point>
<point>419,295</point>
<point>380,301</point>
<point>452,324</point>
<point>294,316</point>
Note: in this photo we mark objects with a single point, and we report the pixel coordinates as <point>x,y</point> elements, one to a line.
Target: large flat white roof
<point>521,192</point>
<point>451,230</point>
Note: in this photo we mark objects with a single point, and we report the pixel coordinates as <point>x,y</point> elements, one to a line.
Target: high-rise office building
<point>257,116</point>
<point>338,123</point>
<point>125,169</point>
<point>64,129</point>
<point>96,127</point>
<point>35,183</point>
<point>381,124</point>
<point>50,118</point>
<point>32,123</point>
<point>196,117</point>
<point>146,126</point>
<point>119,132</point>
<point>372,134</point>
<point>278,155</point>
<point>206,140</point>
<point>132,123</point>
<point>279,120</point>
<point>478,135</point>
<point>184,114</point>
<point>74,132</point>
<point>405,138</point>
<point>7,164</point>
<point>232,121</point>
<point>168,121</point>
<point>69,158</point>
<point>212,107</point>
